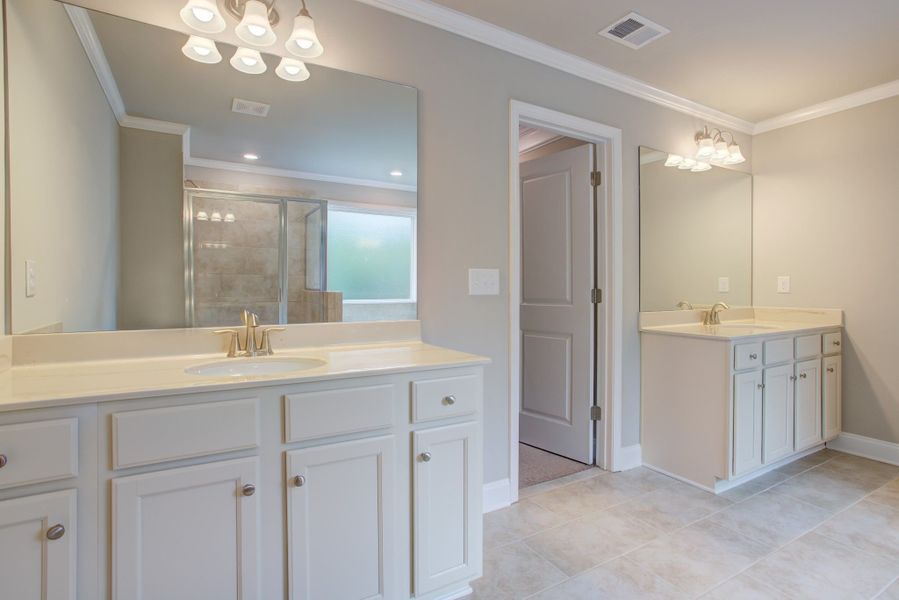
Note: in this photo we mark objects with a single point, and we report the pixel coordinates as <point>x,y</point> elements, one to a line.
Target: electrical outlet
<point>724,284</point>
<point>783,284</point>
<point>30,278</point>
<point>483,282</point>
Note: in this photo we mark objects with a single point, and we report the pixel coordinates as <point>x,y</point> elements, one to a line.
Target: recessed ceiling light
<point>396,173</point>
<point>251,156</point>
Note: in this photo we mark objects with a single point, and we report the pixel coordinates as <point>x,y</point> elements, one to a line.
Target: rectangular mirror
<point>148,190</point>
<point>695,235</point>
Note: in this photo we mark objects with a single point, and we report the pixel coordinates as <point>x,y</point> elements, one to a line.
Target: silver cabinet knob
<point>3,460</point>
<point>803,375</point>
<point>425,457</point>
<point>792,378</point>
<point>56,532</point>
<point>754,356</point>
<point>248,490</point>
<point>836,342</point>
<point>761,386</point>
<point>830,370</point>
<point>299,481</point>
<point>449,400</point>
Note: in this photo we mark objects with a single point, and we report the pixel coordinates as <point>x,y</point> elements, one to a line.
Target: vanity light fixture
<point>291,69</point>
<point>303,41</point>
<point>216,217</point>
<point>203,16</point>
<point>202,216</point>
<point>712,148</point>
<point>255,28</point>
<point>251,156</point>
<point>202,50</point>
<point>248,61</point>
<point>229,218</point>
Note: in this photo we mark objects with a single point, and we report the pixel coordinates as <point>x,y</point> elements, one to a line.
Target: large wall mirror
<point>695,236</point>
<point>148,190</point>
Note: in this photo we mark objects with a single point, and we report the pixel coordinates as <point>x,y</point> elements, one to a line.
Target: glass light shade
<point>203,15</point>
<point>255,28</point>
<point>202,50</point>
<point>248,61</point>
<point>721,151</point>
<point>734,157</point>
<point>706,148</point>
<point>291,69</point>
<point>686,164</point>
<point>673,160</point>
<point>700,166</point>
<point>303,42</point>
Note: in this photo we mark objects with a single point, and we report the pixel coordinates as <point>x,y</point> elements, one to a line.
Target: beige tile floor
<point>826,526</point>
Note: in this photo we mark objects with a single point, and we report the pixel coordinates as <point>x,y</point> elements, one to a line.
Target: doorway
<point>565,294</point>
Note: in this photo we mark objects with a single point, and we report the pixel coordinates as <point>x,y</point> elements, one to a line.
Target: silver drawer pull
<point>248,490</point>
<point>754,356</point>
<point>830,369</point>
<point>299,481</point>
<point>3,460</point>
<point>803,375</point>
<point>425,457</point>
<point>449,400</point>
<point>56,532</point>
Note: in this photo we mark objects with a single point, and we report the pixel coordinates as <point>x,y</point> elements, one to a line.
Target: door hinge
<point>596,296</point>
<point>596,413</point>
<point>596,178</point>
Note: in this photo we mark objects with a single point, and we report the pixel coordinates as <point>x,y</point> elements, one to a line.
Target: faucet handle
<point>266,345</point>
<point>233,342</point>
<point>249,319</point>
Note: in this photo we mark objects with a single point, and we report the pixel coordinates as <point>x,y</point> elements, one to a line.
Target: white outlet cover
<point>483,282</point>
<point>724,284</point>
<point>783,284</point>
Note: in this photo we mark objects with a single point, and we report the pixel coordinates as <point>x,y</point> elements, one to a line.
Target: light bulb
<point>254,28</point>
<point>396,173</point>
<point>203,16</point>
<point>290,69</point>
<point>673,160</point>
<point>303,41</point>
<point>202,50</point>
<point>248,61</point>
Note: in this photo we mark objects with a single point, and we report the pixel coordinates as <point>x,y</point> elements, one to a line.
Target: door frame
<point>609,321</point>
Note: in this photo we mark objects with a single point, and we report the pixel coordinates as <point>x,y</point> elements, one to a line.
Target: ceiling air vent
<point>248,107</point>
<point>634,31</point>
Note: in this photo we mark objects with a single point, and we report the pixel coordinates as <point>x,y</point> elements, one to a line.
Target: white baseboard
<point>497,495</point>
<point>627,457</point>
<point>866,447</point>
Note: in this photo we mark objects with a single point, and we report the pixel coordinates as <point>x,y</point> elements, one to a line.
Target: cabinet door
<point>778,413</point>
<point>833,397</point>
<point>808,404</point>
<point>187,534</point>
<point>447,506</point>
<point>341,521</point>
<point>37,547</point>
<point>747,422</point>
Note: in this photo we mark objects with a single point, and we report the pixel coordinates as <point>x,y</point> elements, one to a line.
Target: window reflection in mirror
<point>162,192</point>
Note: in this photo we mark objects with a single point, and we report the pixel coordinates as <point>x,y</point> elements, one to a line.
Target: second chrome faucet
<point>250,347</point>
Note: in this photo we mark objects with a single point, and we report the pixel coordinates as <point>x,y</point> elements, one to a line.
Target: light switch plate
<point>30,278</point>
<point>724,284</point>
<point>483,282</point>
<point>783,284</point>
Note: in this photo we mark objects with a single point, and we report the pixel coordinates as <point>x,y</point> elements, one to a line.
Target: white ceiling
<point>754,59</point>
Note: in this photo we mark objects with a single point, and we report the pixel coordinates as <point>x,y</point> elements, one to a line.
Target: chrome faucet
<point>684,305</point>
<point>251,321</point>
<point>713,316</point>
<point>249,347</point>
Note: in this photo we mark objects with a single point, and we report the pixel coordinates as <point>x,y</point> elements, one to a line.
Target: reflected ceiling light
<point>303,42</point>
<point>202,50</point>
<point>396,173</point>
<point>248,61</point>
<point>203,16</point>
<point>700,166</point>
<point>673,160</point>
<point>255,27</point>
<point>290,69</point>
<point>251,156</point>
<point>712,148</point>
<point>686,164</point>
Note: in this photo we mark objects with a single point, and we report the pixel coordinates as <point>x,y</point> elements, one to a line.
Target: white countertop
<point>732,330</point>
<point>68,383</point>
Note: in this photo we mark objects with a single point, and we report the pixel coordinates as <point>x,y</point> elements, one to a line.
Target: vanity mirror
<point>695,235</point>
<point>149,190</point>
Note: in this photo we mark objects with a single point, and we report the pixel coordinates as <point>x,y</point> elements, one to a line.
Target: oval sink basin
<point>745,326</point>
<point>249,367</point>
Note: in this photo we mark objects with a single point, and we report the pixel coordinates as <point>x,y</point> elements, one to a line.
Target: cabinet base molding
<point>497,495</point>
<point>462,592</point>
<point>866,447</point>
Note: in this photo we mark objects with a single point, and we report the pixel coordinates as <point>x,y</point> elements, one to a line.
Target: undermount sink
<point>745,326</point>
<point>249,367</point>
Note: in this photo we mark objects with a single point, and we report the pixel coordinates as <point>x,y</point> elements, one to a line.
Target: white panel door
<point>833,397</point>
<point>447,521</point>
<point>747,445</point>
<point>341,512</point>
<point>37,547</point>
<point>187,534</point>
<point>808,404</point>
<point>557,314</point>
<point>778,413</point>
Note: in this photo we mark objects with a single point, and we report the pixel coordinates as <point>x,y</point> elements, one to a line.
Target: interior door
<point>557,313</point>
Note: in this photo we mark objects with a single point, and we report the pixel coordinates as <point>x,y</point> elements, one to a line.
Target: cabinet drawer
<point>38,452</point>
<point>143,437</point>
<point>747,356</point>
<point>778,351</point>
<point>833,343</point>
<point>808,346</point>
<point>434,399</point>
<point>313,415</point>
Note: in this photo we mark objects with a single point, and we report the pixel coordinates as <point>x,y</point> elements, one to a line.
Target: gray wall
<point>151,282</point>
<point>826,209</point>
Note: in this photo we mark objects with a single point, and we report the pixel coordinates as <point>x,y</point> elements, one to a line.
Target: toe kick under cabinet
<point>717,412</point>
<point>350,489</point>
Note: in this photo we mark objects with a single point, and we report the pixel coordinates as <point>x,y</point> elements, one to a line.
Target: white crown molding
<point>475,29</point>
<point>81,21</point>
<point>815,111</point>
<point>275,172</point>
<point>153,125</point>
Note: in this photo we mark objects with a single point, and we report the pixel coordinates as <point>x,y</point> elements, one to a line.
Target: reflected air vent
<point>248,107</point>
<point>634,31</point>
